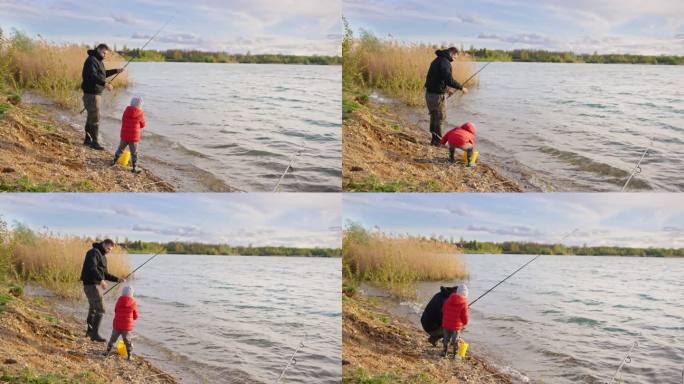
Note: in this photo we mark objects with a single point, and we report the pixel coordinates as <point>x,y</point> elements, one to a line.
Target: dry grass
<point>55,262</point>
<point>397,263</point>
<point>52,70</point>
<point>397,68</point>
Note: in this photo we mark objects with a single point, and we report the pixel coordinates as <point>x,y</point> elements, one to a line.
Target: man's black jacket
<point>439,75</point>
<point>95,266</point>
<point>94,74</point>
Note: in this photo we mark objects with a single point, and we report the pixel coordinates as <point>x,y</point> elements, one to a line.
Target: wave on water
<point>581,320</point>
<point>615,175</point>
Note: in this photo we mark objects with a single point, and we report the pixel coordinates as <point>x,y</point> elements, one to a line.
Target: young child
<point>125,314</point>
<point>462,137</point>
<point>132,123</point>
<point>454,317</point>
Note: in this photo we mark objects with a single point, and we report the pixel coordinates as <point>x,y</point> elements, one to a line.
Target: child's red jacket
<point>455,313</point>
<point>460,136</point>
<point>125,313</point>
<point>132,123</point>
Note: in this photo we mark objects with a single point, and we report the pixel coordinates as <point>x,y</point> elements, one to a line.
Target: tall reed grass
<point>53,70</point>
<point>397,263</point>
<point>395,67</point>
<point>55,262</point>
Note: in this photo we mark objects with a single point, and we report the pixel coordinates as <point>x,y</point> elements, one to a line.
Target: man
<point>438,84</point>
<point>93,275</point>
<point>94,82</point>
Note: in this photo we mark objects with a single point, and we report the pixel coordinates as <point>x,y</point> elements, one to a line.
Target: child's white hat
<point>136,101</point>
<point>127,291</point>
<point>462,290</point>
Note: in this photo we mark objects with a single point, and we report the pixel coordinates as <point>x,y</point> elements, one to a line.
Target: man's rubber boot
<point>95,331</point>
<point>94,130</point>
<point>89,324</point>
<point>88,139</point>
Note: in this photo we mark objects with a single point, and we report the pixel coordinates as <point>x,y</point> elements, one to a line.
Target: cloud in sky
<point>305,220</point>
<point>640,220</point>
<point>236,26</point>
<point>606,26</point>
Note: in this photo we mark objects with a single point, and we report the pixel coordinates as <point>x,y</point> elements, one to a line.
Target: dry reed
<point>398,262</point>
<point>55,262</point>
<point>51,69</point>
<point>399,69</point>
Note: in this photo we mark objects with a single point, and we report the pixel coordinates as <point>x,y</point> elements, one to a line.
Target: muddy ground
<point>40,345</point>
<point>383,152</point>
<point>379,348</point>
<point>39,153</point>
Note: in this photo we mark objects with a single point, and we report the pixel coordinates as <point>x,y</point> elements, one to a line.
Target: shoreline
<point>42,344</point>
<point>378,345</point>
<point>383,152</point>
<point>39,152</point>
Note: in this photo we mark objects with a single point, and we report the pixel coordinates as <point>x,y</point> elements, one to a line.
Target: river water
<point>571,319</point>
<point>220,127</point>
<point>235,319</point>
<point>578,127</point>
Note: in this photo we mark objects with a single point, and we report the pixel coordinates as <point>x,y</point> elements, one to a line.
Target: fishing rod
<point>625,360</point>
<point>292,361</point>
<point>132,57</point>
<point>292,160</point>
<point>516,271</point>
<point>474,74</point>
<point>127,276</point>
<point>637,167</point>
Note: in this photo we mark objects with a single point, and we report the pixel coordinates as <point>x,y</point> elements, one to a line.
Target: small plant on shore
<point>55,262</point>
<point>397,263</point>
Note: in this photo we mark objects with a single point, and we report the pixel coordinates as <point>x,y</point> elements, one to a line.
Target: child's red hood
<point>470,127</point>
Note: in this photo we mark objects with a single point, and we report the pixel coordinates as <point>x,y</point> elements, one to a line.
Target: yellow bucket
<point>465,157</point>
<point>121,349</point>
<point>462,348</point>
<point>124,158</point>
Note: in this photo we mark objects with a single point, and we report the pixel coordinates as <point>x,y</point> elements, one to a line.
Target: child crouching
<point>462,137</point>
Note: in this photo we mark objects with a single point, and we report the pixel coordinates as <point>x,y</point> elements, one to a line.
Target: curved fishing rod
<point>143,47</point>
<point>291,362</point>
<point>129,275</point>
<point>516,271</point>
<point>292,160</point>
<point>637,168</point>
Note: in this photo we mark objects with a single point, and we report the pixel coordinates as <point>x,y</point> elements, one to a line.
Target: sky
<point>299,220</point>
<point>606,26</point>
<point>235,26</point>
<point>630,220</point>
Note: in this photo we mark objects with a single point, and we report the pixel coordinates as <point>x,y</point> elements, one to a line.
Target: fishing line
<point>637,167</point>
<point>131,59</point>
<point>129,275</point>
<point>292,361</point>
<point>516,271</point>
<point>625,360</point>
<point>471,77</point>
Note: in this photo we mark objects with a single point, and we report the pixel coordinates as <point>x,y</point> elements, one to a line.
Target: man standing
<point>93,275</point>
<point>440,82</point>
<point>94,82</point>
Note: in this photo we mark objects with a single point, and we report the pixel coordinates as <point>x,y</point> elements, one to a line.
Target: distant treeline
<point>138,246</point>
<point>194,56</point>
<point>513,247</point>
<point>525,55</point>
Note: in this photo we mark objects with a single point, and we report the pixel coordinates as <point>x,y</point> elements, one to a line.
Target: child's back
<point>132,122</point>
<point>461,136</point>
<point>125,313</point>
<point>455,312</point>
